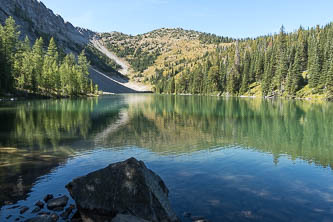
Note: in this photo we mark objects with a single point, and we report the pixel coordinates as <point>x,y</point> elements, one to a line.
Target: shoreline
<point>325,99</point>
<point>21,95</point>
<point>7,97</point>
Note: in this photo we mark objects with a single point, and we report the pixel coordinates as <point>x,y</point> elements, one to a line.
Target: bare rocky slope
<point>124,65</point>
<point>36,20</point>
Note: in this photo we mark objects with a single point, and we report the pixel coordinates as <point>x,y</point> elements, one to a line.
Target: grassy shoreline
<point>20,95</point>
<point>321,97</point>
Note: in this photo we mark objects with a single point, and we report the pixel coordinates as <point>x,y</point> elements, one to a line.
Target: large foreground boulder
<point>124,188</point>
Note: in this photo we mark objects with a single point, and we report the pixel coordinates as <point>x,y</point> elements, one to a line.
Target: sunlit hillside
<point>163,51</point>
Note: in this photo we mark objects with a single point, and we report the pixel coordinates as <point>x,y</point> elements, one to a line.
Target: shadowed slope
<point>107,84</point>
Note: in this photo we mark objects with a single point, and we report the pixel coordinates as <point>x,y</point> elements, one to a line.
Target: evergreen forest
<point>297,64</point>
<point>40,70</point>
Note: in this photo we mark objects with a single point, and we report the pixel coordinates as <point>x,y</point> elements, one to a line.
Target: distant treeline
<point>285,64</point>
<point>37,70</point>
<point>207,38</point>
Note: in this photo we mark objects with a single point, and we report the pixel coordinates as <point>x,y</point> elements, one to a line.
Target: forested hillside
<point>161,49</point>
<point>33,69</point>
<point>297,64</point>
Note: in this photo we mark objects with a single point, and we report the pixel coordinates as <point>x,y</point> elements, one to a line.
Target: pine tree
<point>269,72</point>
<point>259,67</point>
<point>23,65</point>
<point>232,80</point>
<point>50,74</point>
<point>92,90</point>
<point>96,90</point>
<point>289,82</point>
<point>172,85</point>
<point>315,65</point>
<point>282,66</point>
<point>197,86</point>
<point>83,72</point>
<point>223,76</point>
<point>52,50</point>
<point>67,75</point>
<point>296,75</point>
<point>329,83</point>
<point>302,48</point>
<point>294,79</point>
<point>9,40</point>
<point>245,75</point>
<point>2,62</point>
<point>37,64</point>
<point>182,85</point>
<point>214,79</point>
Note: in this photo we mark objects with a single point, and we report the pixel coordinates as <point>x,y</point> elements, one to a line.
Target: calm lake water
<point>227,159</point>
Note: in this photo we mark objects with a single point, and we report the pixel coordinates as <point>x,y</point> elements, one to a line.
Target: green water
<point>227,159</point>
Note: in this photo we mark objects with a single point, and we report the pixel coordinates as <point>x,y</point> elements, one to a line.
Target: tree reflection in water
<point>37,136</point>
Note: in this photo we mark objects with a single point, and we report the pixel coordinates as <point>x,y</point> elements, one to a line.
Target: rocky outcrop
<point>36,20</point>
<point>122,192</point>
<point>57,203</point>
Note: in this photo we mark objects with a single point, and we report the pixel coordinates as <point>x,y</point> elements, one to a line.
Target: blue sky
<point>242,18</point>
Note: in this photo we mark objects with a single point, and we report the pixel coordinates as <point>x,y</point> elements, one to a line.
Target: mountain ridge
<point>36,20</point>
<point>153,51</point>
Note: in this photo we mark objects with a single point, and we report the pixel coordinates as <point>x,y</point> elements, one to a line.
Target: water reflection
<point>37,136</point>
<point>171,124</point>
<point>219,140</point>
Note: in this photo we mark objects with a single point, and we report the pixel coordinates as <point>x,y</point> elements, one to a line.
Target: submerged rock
<point>127,187</point>
<point>48,197</point>
<point>58,209</point>
<point>67,212</point>
<point>40,204</point>
<point>57,204</point>
<point>23,209</point>
<point>54,217</point>
<point>127,218</point>
<point>41,218</point>
<point>196,218</point>
<point>36,210</point>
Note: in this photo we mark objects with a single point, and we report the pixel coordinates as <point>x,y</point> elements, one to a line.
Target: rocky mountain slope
<point>36,20</point>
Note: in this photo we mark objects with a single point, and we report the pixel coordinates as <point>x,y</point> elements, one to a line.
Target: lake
<point>227,159</point>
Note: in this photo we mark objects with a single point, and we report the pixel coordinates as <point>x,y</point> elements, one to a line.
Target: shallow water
<point>226,159</point>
